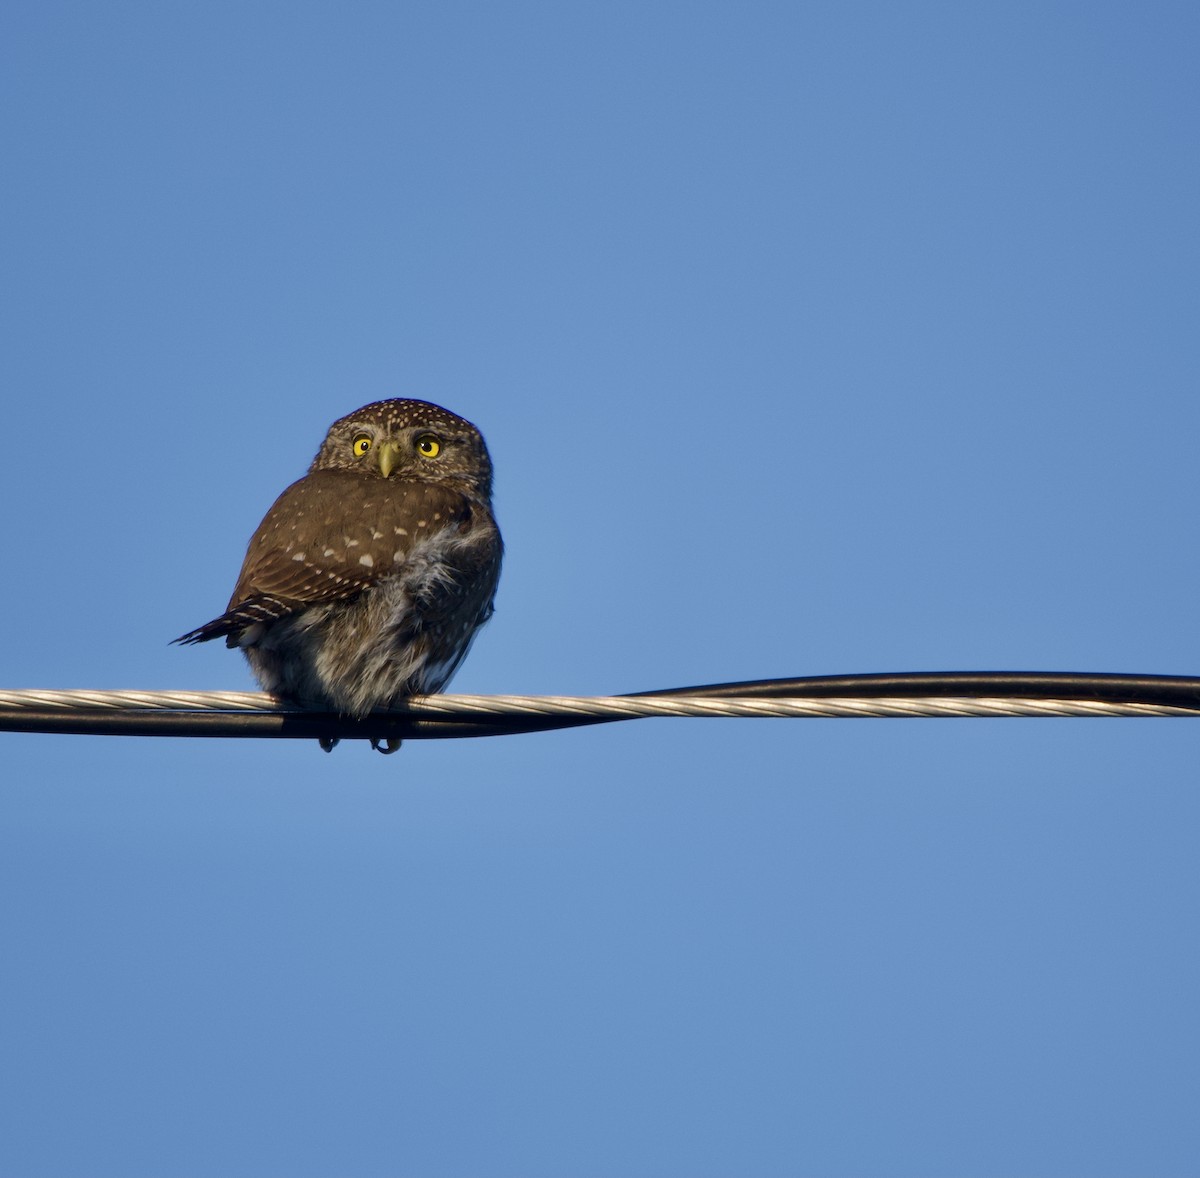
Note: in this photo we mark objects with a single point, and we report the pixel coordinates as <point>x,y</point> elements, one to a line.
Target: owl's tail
<point>231,624</point>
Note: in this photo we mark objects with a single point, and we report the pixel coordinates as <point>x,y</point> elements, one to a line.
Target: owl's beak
<point>389,457</point>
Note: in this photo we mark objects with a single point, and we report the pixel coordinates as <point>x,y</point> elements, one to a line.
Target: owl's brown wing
<point>327,538</point>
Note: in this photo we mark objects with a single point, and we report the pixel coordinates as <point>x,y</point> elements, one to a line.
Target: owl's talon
<point>327,743</point>
<point>386,745</point>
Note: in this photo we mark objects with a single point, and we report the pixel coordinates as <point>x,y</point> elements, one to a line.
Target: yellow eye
<point>428,446</point>
<point>361,445</point>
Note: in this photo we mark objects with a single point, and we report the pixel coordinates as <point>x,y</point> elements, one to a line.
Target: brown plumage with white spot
<point>368,578</point>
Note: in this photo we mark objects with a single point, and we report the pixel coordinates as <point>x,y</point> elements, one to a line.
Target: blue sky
<point>806,339</point>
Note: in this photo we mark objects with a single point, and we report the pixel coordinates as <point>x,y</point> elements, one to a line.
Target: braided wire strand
<point>246,713</point>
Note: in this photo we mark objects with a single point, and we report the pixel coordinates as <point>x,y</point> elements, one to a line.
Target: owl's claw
<point>381,744</point>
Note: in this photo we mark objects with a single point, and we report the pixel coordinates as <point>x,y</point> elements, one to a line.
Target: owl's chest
<point>406,632</point>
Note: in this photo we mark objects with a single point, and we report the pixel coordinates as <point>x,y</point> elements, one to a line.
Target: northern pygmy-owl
<point>368,578</point>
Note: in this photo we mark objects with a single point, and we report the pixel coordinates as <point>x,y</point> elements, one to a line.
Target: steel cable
<point>913,695</point>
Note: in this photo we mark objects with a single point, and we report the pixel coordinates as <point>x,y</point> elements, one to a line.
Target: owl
<point>368,578</point>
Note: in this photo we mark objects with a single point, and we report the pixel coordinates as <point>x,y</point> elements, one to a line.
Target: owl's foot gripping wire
<point>381,744</point>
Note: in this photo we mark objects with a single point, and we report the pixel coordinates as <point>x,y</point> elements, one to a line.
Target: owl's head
<point>410,440</point>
